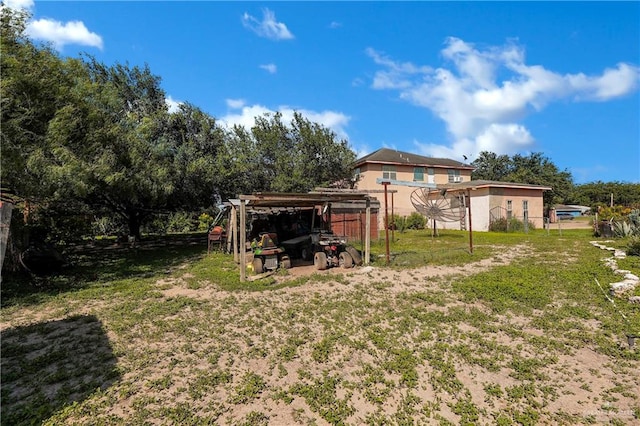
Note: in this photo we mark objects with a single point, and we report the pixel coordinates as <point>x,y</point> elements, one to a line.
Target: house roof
<point>479,183</point>
<point>392,156</point>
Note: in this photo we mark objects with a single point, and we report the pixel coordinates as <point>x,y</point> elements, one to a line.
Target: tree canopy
<point>78,132</point>
<point>535,169</point>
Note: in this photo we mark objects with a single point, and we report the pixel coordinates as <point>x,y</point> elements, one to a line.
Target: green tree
<point>535,169</point>
<point>35,84</point>
<point>199,146</point>
<point>490,166</point>
<point>300,156</point>
<point>594,194</point>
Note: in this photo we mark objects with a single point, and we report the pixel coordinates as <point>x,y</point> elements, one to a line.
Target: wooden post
<point>470,230</point>
<point>242,242</point>
<point>386,220</point>
<point>367,235</point>
<point>393,235</point>
<point>234,232</point>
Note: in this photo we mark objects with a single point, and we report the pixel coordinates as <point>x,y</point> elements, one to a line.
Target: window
<point>356,174</point>
<point>509,209</point>
<point>389,172</point>
<point>431,175</point>
<point>454,175</point>
<point>525,210</point>
<point>418,174</point>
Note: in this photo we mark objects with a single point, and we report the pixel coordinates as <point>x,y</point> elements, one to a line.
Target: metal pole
<point>386,219</point>
<point>470,230</point>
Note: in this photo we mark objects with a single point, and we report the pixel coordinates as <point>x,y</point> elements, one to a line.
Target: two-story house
<point>405,172</point>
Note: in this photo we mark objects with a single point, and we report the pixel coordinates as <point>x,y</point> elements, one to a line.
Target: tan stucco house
<point>405,172</point>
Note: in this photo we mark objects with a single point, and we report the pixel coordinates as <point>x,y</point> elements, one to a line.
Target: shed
<point>274,201</point>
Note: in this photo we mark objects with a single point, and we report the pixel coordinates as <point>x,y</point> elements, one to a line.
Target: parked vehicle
<point>267,255</point>
<point>332,250</point>
<point>564,216</point>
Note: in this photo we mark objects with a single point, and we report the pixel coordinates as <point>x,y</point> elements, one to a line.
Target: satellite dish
<point>437,205</point>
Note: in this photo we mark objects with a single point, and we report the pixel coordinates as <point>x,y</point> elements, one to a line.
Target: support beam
<point>241,242</point>
<point>386,221</point>
<point>367,235</point>
<point>234,233</point>
<point>470,228</point>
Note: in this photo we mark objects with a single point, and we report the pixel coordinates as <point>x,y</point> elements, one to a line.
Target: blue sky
<point>442,79</point>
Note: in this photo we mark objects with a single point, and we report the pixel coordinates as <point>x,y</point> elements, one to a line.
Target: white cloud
<point>333,25</point>
<point>244,115</point>
<point>270,68</point>
<point>18,4</point>
<point>61,34</point>
<point>235,103</point>
<point>480,110</point>
<point>268,27</point>
<point>172,104</point>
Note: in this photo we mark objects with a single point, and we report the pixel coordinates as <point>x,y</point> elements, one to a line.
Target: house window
<point>454,176</point>
<point>389,172</point>
<point>431,175</point>
<point>509,209</point>
<point>356,174</point>
<point>418,174</point>
<point>525,210</point>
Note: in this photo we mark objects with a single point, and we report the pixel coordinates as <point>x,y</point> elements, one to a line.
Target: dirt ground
<point>330,352</point>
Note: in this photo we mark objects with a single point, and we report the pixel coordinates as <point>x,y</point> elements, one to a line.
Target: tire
<point>285,262</point>
<point>346,261</point>
<point>320,261</point>
<point>305,253</point>
<point>355,255</point>
<point>257,265</point>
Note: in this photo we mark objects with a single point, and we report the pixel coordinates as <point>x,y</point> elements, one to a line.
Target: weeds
<point>176,339</point>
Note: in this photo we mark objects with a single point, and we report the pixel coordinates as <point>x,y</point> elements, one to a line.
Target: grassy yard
<point>516,333</point>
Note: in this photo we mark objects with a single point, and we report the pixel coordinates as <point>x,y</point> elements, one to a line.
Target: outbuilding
<point>352,207</point>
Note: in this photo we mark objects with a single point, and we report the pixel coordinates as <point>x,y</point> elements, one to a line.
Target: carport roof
<point>299,200</point>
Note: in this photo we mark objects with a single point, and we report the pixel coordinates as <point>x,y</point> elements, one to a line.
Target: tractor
<point>267,255</point>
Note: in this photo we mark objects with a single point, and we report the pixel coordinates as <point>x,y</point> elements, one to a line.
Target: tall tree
<point>198,144</point>
<point>600,193</point>
<point>35,84</point>
<point>490,166</point>
<point>299,156</point>
<point>534,169</point>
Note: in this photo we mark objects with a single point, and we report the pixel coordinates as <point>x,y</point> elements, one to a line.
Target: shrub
<point>204,220</point>
<point>633,247</point>
<point>415,221</point>
<point>510,225</point>
<point>180,222</point>
<point>397,222</point>
<point>107,225</point>
<point>157,224</point>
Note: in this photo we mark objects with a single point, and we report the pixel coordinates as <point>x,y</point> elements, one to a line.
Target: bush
<point>633,248</point>
<point>510,225</point>
<point>415,221</point>
<point>107,225</point>
<point>397,222</point>
<point>157,224</point>
<point>180,222</point>
<point>204,220</point>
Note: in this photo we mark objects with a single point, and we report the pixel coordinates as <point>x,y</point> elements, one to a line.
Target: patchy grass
<point>515,333</point>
